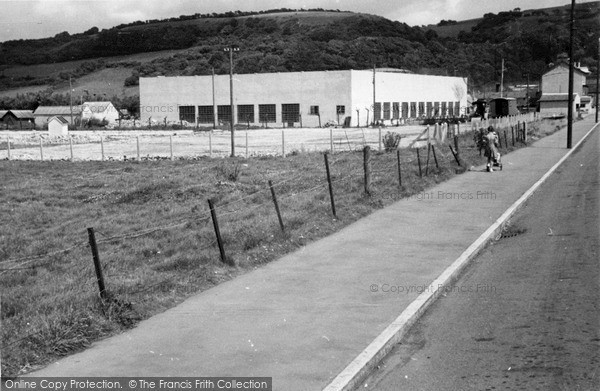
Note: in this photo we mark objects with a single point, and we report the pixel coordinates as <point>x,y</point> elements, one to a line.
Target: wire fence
<point>341,175</point>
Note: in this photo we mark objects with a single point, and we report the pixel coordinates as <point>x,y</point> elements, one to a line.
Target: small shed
<point>17,120</point>
<point>43,113</point>
<point>58,126</point>
<point>553,105</point>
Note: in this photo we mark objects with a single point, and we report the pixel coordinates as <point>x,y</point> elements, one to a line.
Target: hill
<point>291,40</point>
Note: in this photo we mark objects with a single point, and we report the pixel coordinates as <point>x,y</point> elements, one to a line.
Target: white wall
<point>161,97</point>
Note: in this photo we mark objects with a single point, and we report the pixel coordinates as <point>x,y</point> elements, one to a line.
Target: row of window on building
<point>267,113</point>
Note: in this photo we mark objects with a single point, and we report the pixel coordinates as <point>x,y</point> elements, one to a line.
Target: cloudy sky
<point>21,19</point>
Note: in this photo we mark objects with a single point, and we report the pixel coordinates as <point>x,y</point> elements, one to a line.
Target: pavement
<point>322,316</point>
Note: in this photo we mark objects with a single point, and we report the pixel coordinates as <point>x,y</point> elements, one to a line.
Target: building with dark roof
<point>17,120</point>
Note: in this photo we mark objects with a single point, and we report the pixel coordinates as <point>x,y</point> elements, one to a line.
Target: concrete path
<point>304,318</point>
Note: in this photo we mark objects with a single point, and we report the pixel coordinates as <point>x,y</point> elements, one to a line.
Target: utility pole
<point>597,79</point>
<point>502,78</point>
<point>214,102</point>
<point>71,98</point>
<point>231,49</point>
<point>570,101</point>
<point>374,99</point>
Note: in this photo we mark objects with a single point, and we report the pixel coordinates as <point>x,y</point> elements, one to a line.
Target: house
<point>553,105</point>
<point>308,99</point>
<point>556,80</point>
<point>101,111</point>
<point>58,126</point>
<point>43,114</point>
<point>17,120</point>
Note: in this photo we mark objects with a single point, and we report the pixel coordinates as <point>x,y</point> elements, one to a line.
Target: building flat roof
<point>558,97</point>
<point>57,110</point>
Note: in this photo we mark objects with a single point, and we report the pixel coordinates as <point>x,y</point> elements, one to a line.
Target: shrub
<point>391,140</point>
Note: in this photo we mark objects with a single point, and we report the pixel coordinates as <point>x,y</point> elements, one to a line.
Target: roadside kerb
<point>364,363</point>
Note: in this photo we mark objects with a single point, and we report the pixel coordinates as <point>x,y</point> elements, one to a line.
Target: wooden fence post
<point>97,265</point>
<point>102,147</point>
<point>455,155</point>
<point>512,131</point>
<point>71,146</point>
<point>171,146</point>
<point>330,185</point>
<point>283,142</point>
<point>427,162</point>
<point>210,132</point>
<point>399,169</point>
<point>380,139</point>
<point>41,150</point>
<point>276,206</point>
<point>331,140</point>
<point>419,161</point>
<point>8,147</point>
<point>213,214</point>
<point>137,141</point>
<point>367,168</point>
<point>434,156</point>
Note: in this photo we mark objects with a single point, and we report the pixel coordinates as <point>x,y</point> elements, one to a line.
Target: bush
<point>391,140</point>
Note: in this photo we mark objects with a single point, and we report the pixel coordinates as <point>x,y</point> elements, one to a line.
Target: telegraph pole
<point>214,102</point>
<point>374,99</point>
<point>570,101</point>
<point>71,98</point>
<point>231,49</point>
<point>502,78</point>
<point>597,79</point>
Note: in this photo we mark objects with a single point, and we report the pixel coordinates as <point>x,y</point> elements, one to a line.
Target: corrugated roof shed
<point>558,97</point>
<point>22,114</point>
<point>59,118</point>
<point>57,110</point>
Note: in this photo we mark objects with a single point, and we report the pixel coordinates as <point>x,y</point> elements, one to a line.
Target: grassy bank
<point>155,236</point>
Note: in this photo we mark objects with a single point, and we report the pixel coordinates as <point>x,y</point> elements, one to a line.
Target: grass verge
<point>156,239</point>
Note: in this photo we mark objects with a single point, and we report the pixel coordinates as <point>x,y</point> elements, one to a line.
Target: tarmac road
<point>526,313</point>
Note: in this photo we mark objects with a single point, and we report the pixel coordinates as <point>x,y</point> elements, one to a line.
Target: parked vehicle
<point>503,107</point>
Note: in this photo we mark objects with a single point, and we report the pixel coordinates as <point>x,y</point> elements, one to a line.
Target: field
<point>155,234</point>
<point>186,143</point>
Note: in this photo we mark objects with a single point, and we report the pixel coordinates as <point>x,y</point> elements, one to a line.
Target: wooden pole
<point>427,163</point>
<point>276,206</point>
<point>171,146</point>
<point>97,265</point>
<point>137,140</point>
<point>283,142</point>
<point>505,140</point>
<point>246,144</point>
<point>434,156</point>
<point>330,185</point>
<point>210,132</point>
<point>419,161</point>
<point>71,146</point>
<point>8,146</point>
<point>399,169</point>
<point>102,147</point>
<point>41,150</point>
<point>367,168</point>
<point>512,131</point>
<point>213,215</point>
<point>331,140</point>
<point>455,155</point>
<point>380,139</point>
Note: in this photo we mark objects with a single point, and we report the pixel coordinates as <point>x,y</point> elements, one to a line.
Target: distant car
<point>503,107</point>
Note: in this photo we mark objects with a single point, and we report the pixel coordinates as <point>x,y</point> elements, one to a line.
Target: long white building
<point>308,99</point>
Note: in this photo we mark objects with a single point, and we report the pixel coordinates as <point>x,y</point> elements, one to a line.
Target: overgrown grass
<point>156,241</point>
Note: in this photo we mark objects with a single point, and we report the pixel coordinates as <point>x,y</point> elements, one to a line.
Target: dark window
<point>224,113</point>
<point>245,113</point>
<point>386,110</point>
<point>404,109</point>
<point>421,109</point>
<point>450,109</point>
<point>290,112</point>
<point>429,109</point>
<point>314,110</point>
<point>377,111</point>
<point>206,115</point>
<point>266,113</point>
<point>436,109</point>
<point>444,108</point>
<point>457,108</point>
<point>396,110</point>
<point>340,109</point>
<point>187,113</point>
<point>413,109</point>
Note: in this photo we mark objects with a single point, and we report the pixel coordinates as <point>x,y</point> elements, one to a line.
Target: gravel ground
<point>118,145</point>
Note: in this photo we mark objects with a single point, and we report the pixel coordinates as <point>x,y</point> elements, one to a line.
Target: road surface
<point>526,313</point>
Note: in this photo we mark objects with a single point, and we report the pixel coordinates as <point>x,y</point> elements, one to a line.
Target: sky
<point>25,19</point>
